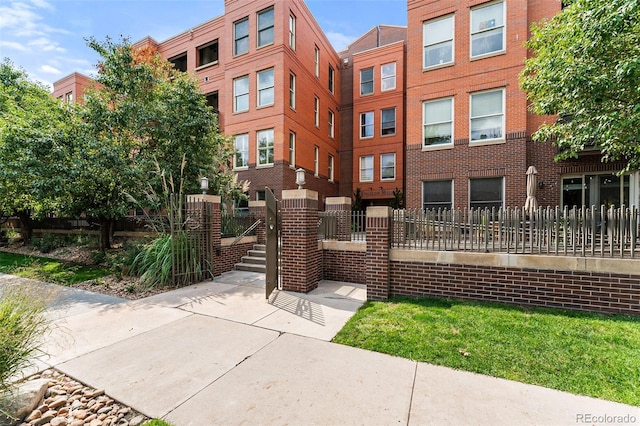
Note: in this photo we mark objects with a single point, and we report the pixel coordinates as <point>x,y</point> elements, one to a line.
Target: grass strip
<point>581,353</point>
<point>48,270</point>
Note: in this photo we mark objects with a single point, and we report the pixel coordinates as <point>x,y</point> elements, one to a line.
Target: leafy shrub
<point>98,257</point>
<point>48,242</point>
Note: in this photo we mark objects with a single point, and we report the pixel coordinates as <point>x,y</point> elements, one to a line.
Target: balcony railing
<point>329,225</point>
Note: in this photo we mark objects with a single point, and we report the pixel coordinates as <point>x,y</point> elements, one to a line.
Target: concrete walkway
<point>219,353</point>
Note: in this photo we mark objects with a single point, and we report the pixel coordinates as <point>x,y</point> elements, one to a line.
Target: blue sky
<point>46,37</point>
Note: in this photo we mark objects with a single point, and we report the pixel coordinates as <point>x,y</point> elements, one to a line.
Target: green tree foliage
<point>586,69</point>
<point>34,134</point>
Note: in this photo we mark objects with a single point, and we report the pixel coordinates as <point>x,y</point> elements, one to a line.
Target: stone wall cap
<point>260,203</point>
<point>332,201</point>
<point>204,197</point>
<point>379,211</point>
<point>299,194</point>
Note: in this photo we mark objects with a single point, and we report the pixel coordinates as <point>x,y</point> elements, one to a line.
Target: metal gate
<point>272,228</point>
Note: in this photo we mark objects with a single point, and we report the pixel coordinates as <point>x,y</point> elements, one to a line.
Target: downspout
<point>378,29</point>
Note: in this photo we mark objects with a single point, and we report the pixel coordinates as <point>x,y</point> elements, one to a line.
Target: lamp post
<point>204,184</point>
<point>300,177</point>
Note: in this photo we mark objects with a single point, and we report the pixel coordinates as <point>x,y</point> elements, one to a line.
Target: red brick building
<point>468,127</point>
<point>71,88</point>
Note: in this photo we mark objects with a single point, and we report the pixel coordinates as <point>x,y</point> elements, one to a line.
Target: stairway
<point>255,260</point>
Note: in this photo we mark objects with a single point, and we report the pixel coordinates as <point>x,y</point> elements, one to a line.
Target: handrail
<point>246,231</point>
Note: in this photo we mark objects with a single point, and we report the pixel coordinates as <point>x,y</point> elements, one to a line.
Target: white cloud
<point>23,20</point>
<point>48,69</point>
<point>13,45</point>
<point>340,41</point>
<point>46,45</point>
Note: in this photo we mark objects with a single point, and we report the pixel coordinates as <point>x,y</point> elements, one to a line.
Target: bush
<point>22,324</point>
<point>48,242</point>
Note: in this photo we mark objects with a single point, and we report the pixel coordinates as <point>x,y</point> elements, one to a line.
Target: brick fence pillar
<point>300,257</point>
<point>379,222</point>
<point>196,205</point>
<point>341,205</point>
<point>258,210</point>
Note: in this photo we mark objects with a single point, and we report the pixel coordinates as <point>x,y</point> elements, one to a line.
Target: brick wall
<point>341,265</point>
<point>232,254</point>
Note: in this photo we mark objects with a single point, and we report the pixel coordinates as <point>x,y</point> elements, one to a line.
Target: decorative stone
<point>25,397</point>
<point>58,402</point>
<point>136,421</point>
<point>35,414</point>
<point>42,420</point>
<point>58,421</point>
<point>80,414</point>
<point>93,394</point>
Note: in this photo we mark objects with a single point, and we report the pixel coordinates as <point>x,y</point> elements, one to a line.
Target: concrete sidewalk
<point>219,353</point>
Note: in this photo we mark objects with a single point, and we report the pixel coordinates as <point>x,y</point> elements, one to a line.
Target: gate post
<point>213,239</point>
<point>342,207</point>
<point>300,259</point>
<point>258,210</point>
<point>377,263</point>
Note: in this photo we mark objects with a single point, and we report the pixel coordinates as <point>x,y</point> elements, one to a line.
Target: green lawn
<point>582,353</point>
<point>48,270</point>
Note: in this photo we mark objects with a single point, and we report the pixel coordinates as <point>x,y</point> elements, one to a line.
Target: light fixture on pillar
<point>204,184</point>
<point>300,177</point>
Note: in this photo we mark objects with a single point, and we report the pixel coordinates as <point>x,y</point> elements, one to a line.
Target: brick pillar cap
<point>204,197</point>
<point>332,201</point>
<point>299,194</point>
<point>257,204</point>
<point>379,211</point>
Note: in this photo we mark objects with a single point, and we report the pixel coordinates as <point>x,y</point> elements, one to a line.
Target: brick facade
<point>379,222</point>
<point>342,265</point>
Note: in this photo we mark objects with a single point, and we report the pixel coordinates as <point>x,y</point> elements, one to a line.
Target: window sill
<point>482,142</point>
<point>488,55</point>
<point>240,169</point>
<point>265,166</point>
<point>437,147</point>
<point>210,64</point>
<point>264,106</point>
<point>438,66</point>
<point>388,180</point>
<point>240,112</point>
<point>265,45</point>
<point>388,135</point>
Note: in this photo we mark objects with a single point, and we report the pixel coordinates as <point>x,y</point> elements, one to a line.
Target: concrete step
<point>254,260</point>
<point>260,247</point>
<point>250,267</point>
<point>257,253</point>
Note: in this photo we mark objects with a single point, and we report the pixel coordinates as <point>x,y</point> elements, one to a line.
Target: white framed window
<point>241,158</point>
<point>241,94</point>
<point>316,111</point>
<point>265,147</point>
<point>388,166</point>
<point>487,116</point>
<point>366,81</point>
<point>437,119</point>
<point>330,167</point>
<point>292,90</point>
<point>265,87</point>
<point>366,124</point>
<point>241,36</point>
<point>388,121</point>
<point>388,76</point>
<point>437,41</point>
<point>207,54</point>
<point>487,29</point>
<point>599,189</point>
<point>486,193</point>
<point>331,78</point>
<point>292,149</point>
<point>68,97</point>
<point>316,161</point>
<point>331,124</point>
<point>437,194</point>
<point>366,168</point>
<point>316,61</point>
<point>265,27</point>
<point>292,31</point>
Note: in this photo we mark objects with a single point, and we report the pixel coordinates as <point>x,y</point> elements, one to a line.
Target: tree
<point>585,68</point>
<point>34,130</point>
<point>143,116</point>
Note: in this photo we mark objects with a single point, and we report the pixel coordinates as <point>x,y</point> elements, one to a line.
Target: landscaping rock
<point>25,397</point>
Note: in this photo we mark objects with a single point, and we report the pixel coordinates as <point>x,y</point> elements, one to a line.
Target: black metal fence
<point>328,225</point>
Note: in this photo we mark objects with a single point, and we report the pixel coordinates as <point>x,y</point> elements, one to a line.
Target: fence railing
<point>582,231</point>
<point>234,225</point>
<point>329,225</point>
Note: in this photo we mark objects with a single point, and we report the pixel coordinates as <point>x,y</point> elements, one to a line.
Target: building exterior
<point>468,127</point>
<point>432,112</point>
<point>71,88</point>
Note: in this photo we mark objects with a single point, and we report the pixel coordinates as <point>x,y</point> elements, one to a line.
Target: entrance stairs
<point>255,260</point>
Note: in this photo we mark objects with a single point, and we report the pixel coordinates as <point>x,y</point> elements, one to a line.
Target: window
<point>241,94</point>
<point>241,158</point>
<point>437,39</point>
<point>366,125</point>
<point>485,193</point>
<point>595,190</point>
<point>388,76</point>
<point>179,62</point>
<point>292,149</point>
<point>331,123</point>
<point>388,126</point>
<point>388,166</point>
<point>69,97</point>
<point>316,61</point>
<point>212,100</point>
<point>265,87</point>
<point>487,115</point>
<point>208,53</point>
<point>366,81</point>
<point>241,36</point>
<point>437,194</point>
<point>316,111</point>
<point>292,90</point>
<point>366,168</point>
<point>265,147</point>
<point>331,77</point>
<point>316,160</point>
<point>292,31</point>
<point>265,27</point>
<point>330,167</point>
<point>487,29</point>
<point>261,195</point>
<point>438,122</point>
